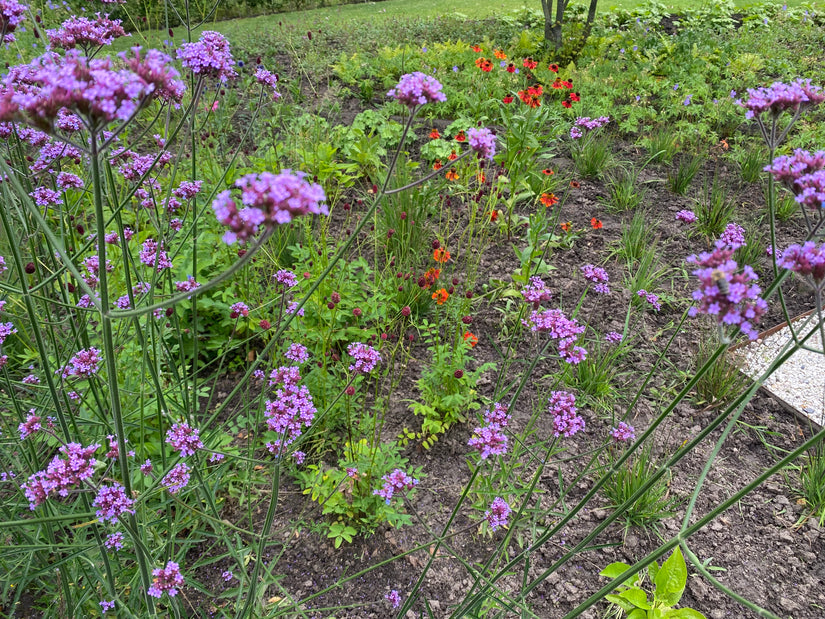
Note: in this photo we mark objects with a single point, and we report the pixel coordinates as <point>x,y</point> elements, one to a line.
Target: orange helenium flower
<point>595,223</point>
<point>481,178</point>
<point>441,255</point>
<point>440,296</point>
<point>500,54</point>
<point>434,134</point>
<point>532,96</point>
<point>547,172</point>
<point>452,156</point>
<point>471,338</point>
<point>548,199</point>
<point>460,137</point>
<point>438,165</point>
<point>451,175</point>
<point>529,63</point>
<point>476,49</point>
<point>566,226</point>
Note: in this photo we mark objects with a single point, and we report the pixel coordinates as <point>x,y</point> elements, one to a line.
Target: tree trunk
<point>588,26</point>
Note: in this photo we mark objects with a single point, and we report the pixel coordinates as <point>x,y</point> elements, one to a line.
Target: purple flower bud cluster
<point>184,439</point>
<point>779,97</point>
<point>268,199</point>
<point>288,375</point>
<point>297,353</point>
<point>238,309</point>
<point>536,292</point>
<point>84,364</point>
<point>11,14</point>
<point>566,421</point>
<point>397,481</point>
<point>623,433</point>
<point>286,278</point>
<point>32,424</point>
<point>598,276</point>
<point>43,196</point>
<point>489,441</point>
<point>152,253</point>
<point>112,502</point>
<point>366,358</point>
<point>482,141</point>
<point>613,337</point>
<point>498,514</point>
<point>732,237</point>
<point>67,180</point>
<point>266,78</point>
<point>209,56</point>
<point>416,89</point>
<point>497,415</point>
<point>167,579</point>
<point>686,216</point>
<point>93,88</point>
<point>188,285</point>
<point>6,329</point>
<point>652,299</point>
<point>177,479</point>
<point>559,327</point>
<point>290,409</point>
<point>61,475</point>
<point>588,124</point>
<point>725,293</point>
<point>114,541</point>
<point>394,598</point>
<point>807,261</point>
<point>86,33</point>
<point>188,189</point>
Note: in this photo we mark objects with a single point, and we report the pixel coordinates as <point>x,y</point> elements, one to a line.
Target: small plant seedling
<point>669,582</point>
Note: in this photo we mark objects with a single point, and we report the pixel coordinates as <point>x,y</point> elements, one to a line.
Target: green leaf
<point>614,570</point>
<point>653,570</point>
<point>686,613</point>
<point>637,614</point>
<point>671,579</point>
<point>620,602</point>
<point>636,596</point>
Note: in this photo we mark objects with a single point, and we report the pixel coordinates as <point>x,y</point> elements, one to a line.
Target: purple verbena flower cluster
<point>562,328</point>
<point>61,475</point>
<point>498,514</point>
<point>177,479</point>
<point>286,278</point>
<point>238,309</point>
<point>623,433</point>
<point>152,253</point>
<point>114,541</point>
<point>779,97</point>
<point>733,237</point>
<point>366,358</point>
<point>6,329</point>
<point>588,124</point>
<point>32,424</point>
<point>167,579</point>
<point>613,337</point>
<point>188,285</point>
<point>297,353</point>
<point>489,441</point>
<point>86,33</point>
<point>184,439</point>
<point>209,56</point>
<point>43,196</point>
<point>482,141</point>
<point>268,199</point>
<point>725,293</point>
<point>290,409</point>
<point>394,598</point>
<point>652,299</point>
<point>598,276</point>
<point>807,261</point>
<point>416,89</point>
<point>11,14</point>
<point>686,216</point>
<point>566,421</point>
<point>397,481</point>
<point>112,502</point>
<point>536,292</point>
<point>84,364</point>
<point>266,78</point>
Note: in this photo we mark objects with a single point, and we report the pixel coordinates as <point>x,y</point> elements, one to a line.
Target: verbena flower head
<point>598,276</point>
<point>588,124</point>
<point>366,357</point>
<point>779,97</point>
<point>297,353</point>
<point>786,169</point>
<point>184,439</point>
<point>613,337</point>
<point>397,481</point>
<point>562,406</point>
<point>268,199</point>
<point>114,541</point>
<point>686,216</point>
<point>562,328</point>
<point>482,141</point>
<point>291,409</point>
<point>32,424</point>
<point>266,78</point>
<point>489,441</point>
<point>236,310</point>
<point>84,364</point>
<point>288,375</point>
<point>536,292</point>
<point>497,415</point>
<point>733,237</point>
<point>623,432</point>
<point>209,56</point>
<point>112,502</point>
<point>286,278</point>
<point>807,261</point>
<point>394,598</point>
<point>725,293</point>
<point>153,255</point>
<point>811,189</point>
<point>86,33</point>
<point>177,479</point>
<point>652,299</point>
<point>11,14</point>
<point>498,514</point>
<point>93,88</point>
<point>166,580</point>
<point>61,475</point>
<point>416,89</point>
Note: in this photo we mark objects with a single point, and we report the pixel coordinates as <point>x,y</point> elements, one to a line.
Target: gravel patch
<point>800,382</point>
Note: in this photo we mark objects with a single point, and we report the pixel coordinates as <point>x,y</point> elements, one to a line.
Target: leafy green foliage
<point>669,583</point>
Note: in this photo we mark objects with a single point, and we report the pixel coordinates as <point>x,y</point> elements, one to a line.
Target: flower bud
<point>458,373</point>
<point>350,390</point>
<point>406,311</point>
<point>335,297</point>
<point>29,268</point>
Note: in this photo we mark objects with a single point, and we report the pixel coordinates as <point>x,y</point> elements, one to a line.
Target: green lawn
<point>388,9</point>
